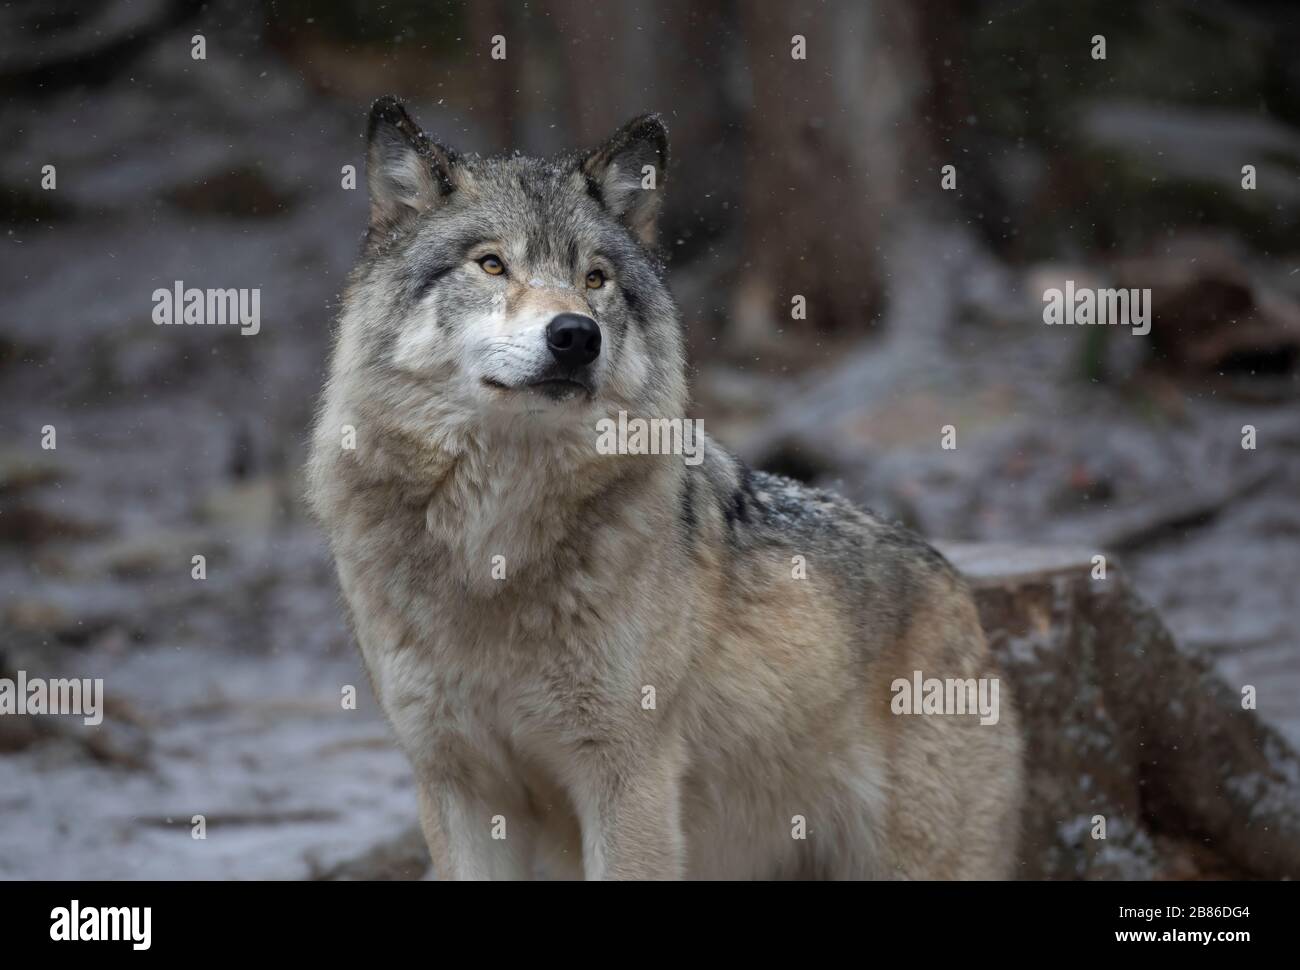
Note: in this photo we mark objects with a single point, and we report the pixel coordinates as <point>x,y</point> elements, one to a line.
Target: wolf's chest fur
<point>501,609</point>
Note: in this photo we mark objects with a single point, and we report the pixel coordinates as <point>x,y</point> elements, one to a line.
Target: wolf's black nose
<point>574,339</point>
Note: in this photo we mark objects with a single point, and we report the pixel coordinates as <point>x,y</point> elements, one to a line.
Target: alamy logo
<point>930,695</point>
<point>651,436</point>
<point>242,307</point>
<point>1086,306</point>
<point>73,924</point>
<point>36,695</point>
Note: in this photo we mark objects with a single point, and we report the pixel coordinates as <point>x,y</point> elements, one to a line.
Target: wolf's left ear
<point>407,172</point>
<point>627,174</point>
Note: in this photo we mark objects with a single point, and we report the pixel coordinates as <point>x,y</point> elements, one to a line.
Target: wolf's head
<point>506,297</point>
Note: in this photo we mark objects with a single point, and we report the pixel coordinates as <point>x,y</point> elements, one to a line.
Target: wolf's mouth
<point>555,388</point>
<point>560,388</point>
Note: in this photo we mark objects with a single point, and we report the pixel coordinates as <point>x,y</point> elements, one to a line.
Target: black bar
<point>330,920</point>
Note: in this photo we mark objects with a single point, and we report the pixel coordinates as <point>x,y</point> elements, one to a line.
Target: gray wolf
<point>618,665</point>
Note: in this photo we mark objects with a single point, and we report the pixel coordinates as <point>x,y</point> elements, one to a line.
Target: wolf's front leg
<point>631,818</point>
<point>474,836</point>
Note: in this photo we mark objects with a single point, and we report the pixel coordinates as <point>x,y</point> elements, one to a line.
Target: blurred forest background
<point>817,177</point>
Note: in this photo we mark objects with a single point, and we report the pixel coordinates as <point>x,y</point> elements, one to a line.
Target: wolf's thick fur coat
<point>627,666</point>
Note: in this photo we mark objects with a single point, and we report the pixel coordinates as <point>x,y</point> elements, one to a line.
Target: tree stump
<point>1123,724</point>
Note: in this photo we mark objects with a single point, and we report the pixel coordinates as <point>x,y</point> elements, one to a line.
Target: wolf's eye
<point>492,265</point>
<point>595,279</point>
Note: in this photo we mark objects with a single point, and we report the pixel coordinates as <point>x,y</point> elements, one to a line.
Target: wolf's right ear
<point>407,172</point>
<point>627,174</point>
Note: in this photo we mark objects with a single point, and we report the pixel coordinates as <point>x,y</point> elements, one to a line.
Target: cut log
<point>1121,722</point>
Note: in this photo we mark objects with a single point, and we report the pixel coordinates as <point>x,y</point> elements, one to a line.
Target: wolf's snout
<point>574,339</point>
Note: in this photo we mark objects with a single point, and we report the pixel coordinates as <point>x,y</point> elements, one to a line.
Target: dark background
<point>818,177</point>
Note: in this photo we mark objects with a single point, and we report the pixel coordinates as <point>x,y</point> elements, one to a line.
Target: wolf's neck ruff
<point>493,508</point>
<point>527,504</point>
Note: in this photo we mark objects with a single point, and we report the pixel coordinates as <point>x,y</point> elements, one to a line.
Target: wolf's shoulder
<point>761,508</point>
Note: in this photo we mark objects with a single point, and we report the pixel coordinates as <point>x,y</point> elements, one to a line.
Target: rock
<point>36,616</point>
<point>68,617</point>
<point>1210,314</point>
<point>119,741</point>
<point>19,733</point>
<point>27,525</point>
<point>1121,722</point>
<point>21,470</point>
<point>403,856</point>
<point>163,552</point>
